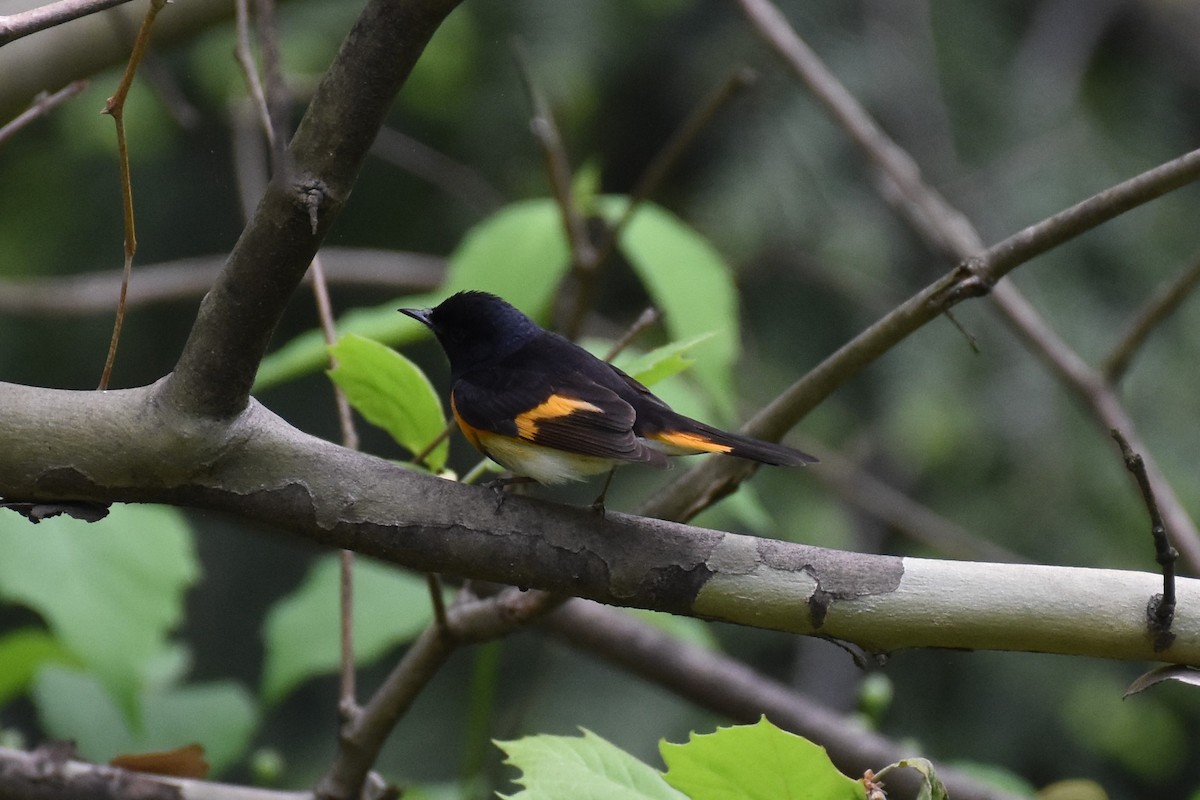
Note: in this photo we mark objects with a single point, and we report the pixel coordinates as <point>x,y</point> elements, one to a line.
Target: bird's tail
<point>696,437</point>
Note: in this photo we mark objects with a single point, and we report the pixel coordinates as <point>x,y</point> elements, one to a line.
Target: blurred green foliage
<point>1013,110</point>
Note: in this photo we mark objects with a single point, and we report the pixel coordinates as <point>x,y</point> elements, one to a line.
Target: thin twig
<point>277,97</point>
<point>244,53</point>
<point>422,454</point>
<point>187,278</point>
<point>329,331</point>
<point>454,179</point>
<point>348,708</point>
<point>16,26</point>
<point>584,255</point>
<point>1161,609</point>
<point>41,106</point>
<point>1154,313</point>
<point>668,156</point>
<point>115,107</point>
<point>439,604</point>
<point>647,319</point>
<point>464,622</point>
<point>347,700</point>
<point>558,166</point>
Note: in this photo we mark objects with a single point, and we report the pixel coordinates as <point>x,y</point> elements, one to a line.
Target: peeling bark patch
<point>818,606</point>
<point>674,588</point>
<point>839,576</point>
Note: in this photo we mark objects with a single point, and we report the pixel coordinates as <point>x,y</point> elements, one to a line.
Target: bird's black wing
<point>562,410</point>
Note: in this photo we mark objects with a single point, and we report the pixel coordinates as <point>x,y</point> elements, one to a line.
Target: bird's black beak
<point>421,315</point>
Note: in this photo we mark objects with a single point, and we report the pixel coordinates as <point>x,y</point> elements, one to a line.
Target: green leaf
<point>73,705</point>
<point>109,590</point>
<point>582,768</point>
<point>302,631</point>
<point>392,392</point>
<point>663,362</point>
<point>755,762</point>
<point>22,653</point>
<point>690,283</point>
<point>519,253</point>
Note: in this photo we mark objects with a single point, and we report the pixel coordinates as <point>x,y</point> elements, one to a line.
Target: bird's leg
<point>497,485</point>
<point>598,503</point>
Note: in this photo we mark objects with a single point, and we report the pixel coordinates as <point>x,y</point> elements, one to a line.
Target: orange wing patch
<point>694,442</point>
<point>553,407</point>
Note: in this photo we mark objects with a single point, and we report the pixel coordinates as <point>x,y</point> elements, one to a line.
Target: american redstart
<point>549,410</point>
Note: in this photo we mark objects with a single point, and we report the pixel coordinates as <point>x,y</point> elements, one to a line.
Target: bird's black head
<point>475,327</point>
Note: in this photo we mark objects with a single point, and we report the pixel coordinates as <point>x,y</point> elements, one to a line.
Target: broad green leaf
<point>663,362</point>
<point>755,762</point>
<point>110,590</point>
<point>392,392</point>
<point>302,631</point>
<point>519,253</point>
<point>582,768</point>
<point>690,283</point>
<point>308,353</point>
<point>74,705</point>
<point>22,653</point>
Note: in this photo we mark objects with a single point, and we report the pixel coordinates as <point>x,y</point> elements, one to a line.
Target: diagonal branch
<point>949,230</point>
<point>1157,309</point>
<point>41,106</point>
<point>23,23</point>
<point>236,319</point>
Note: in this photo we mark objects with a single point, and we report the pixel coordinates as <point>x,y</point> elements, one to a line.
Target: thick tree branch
<point>40,776</point>
<point>130,446</point>
<point>238,316</point>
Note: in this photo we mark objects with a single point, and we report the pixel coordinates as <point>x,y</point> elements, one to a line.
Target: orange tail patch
<point>696,442</point>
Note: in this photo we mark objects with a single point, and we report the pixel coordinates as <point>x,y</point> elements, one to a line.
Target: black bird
<point>548,410</point>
